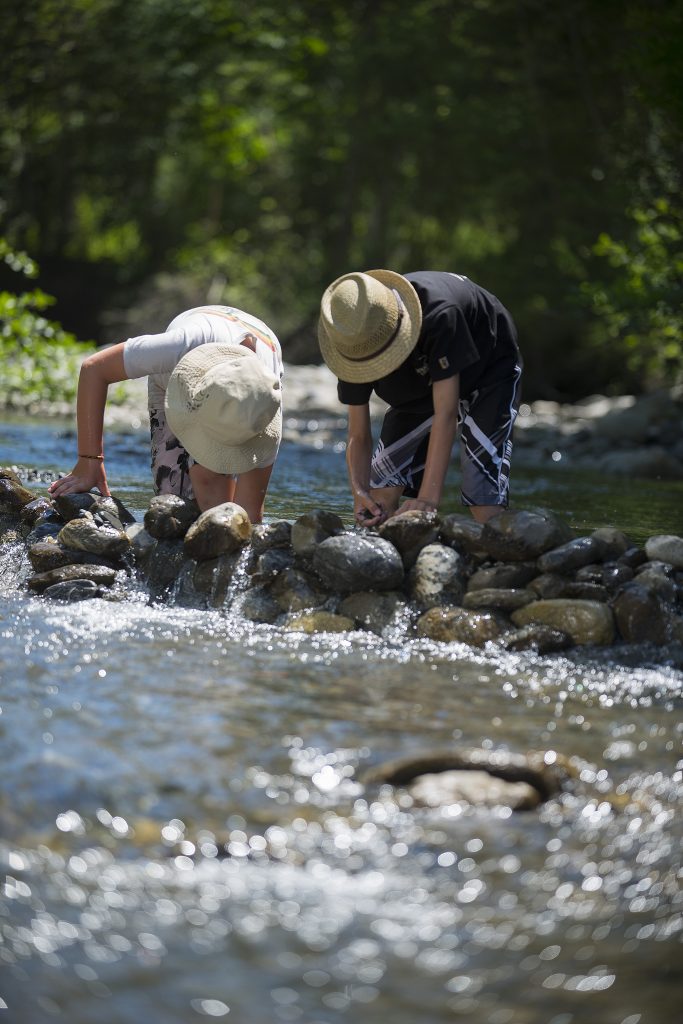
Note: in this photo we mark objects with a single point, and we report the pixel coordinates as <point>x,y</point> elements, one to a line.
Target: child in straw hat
<point>442,352</point>
<point>215,414</point>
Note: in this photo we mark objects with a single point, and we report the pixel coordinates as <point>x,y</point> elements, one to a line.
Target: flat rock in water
<point>504,600</point>
<point>586,622</point>
<point>98,574</point>
<point>319,622</point>
<point>463,533</point>
<point>458,625</point>
<point>71,591</point>
<point>218,531</point>
<point>354,561</point>
<point>536,637</point>
<point>477,788</point>
<point>513,536</point>
<point>46,555</point>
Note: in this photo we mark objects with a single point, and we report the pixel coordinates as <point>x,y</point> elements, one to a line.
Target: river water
<point>186,835</point>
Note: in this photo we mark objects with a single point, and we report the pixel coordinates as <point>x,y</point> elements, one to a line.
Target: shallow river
<point>186,835</point>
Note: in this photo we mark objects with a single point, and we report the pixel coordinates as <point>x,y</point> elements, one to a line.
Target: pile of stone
<point>522,580</point>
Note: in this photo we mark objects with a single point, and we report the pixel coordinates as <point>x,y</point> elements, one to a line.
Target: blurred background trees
<point>157,154</point>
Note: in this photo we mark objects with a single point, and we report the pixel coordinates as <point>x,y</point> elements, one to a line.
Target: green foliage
<point>640,307</point>
<point>40,360</point>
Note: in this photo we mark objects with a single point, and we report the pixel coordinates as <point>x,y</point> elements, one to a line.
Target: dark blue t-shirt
<point>465,329</point>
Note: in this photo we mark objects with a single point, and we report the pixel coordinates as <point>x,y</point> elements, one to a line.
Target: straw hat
<point>369,324</point>
<point>224,406</point>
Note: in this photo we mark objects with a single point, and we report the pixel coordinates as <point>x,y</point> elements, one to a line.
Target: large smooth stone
<point>513,536</point>
<point>353,561</point>
<point>99,574</point>
<point>212,577</point>
<point>575,554</point>
<point>437,578</point>
<point>267,536</point>
<point>640,615</point>
<point>586,622</point>
<point>218,531</point>
<point>47,555</point>
<point>511,576</point>
<point>85,535</point>
<point>665,548</point>
<point>500,598</point>
<point>410,532</point>
<point>477,788</point>
<point>614,543</point>
<point>13,495</point>
<point>169,516</point>
<point>536,637</point>
<point>163,563</point>
<point>311,529</point>
<point>293,591</point>
<point>259,605</point>
<point>462,532</point>
<point>269,564</point>
<point>72,591</point>
<point>319,622</point>
<point>457,625</point>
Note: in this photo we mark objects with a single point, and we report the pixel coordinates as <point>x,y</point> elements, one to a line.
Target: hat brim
<point>403,344</point>
<point>210,452</point>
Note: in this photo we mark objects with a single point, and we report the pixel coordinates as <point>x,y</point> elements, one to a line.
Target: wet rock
<point>110,511</point>
<point>640,615</point>
<point>142,543</point>
<point>477,788</point>
<point>536,637</point>
<point>354,561</point>
<point>665,548</point>
<point>266,536</point>
<point>614,543</point>
<point>547,772</point>
<point>437,578</point>
<point>49,554</point>
<point>591,573</point>
<point>548,585</point>
<point>514,536</point>
<point>72,591</point>
<point>218,531</point>
<point>586,591</point>
<point>35,511</point>
<point>633,557</point>
<point>259,605</point>
<point>371,610</point>
<point>410,532</point>
<point>163,564</point>
<point>573,555</point>
<point>656,577</point>
<point>503,576</point>
<point>13,495</point>
<point>70,506</point>
<point>85,535</point>
<point>586,622</point>
<point>319,622</point>
<point>311,529</point>
<point>170,517</point>
<point>614,576</point>
<point>500,598</point>
<point>463,533</point>
<point>47,526</point>
<point>99,574</point>
<point>458,625</point>
<point>269,564</point>
<point>213,577</point>
<point>293,591</point>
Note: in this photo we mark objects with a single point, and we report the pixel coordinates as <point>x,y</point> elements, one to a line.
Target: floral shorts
<point>170,461</point>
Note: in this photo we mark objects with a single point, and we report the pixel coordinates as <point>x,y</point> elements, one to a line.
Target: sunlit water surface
<point>186,835</point>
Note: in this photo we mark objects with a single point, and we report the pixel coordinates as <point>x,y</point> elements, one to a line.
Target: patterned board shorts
<point>171,463</point>
<point>485,421</point>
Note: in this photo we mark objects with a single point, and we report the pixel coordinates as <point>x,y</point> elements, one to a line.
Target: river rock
<point>548,585</point>
<point>640,615</point>
<point>536,637</point>
<point>218,531</point>
<point>319,622</point>
<point>169,516</point>
<point>585,591</point>
<point>371,610</point>
<point>613,542</point>
<point>266,536</point>
<point>212,578</point>
<point>458,625</point>
<point>85,535</point>
<point>109,511</point>
<point>13,495</point>
<point>410,532</point>
<point>573,555</point>
<point>477,788</point>
<point>463,533</point>
<point>163,564</point>
<point>519,536</point>
<point>633,557</point>
<point>36,510</point>
<point>72,591</point>
<point>268,564</point>
<point>48,526</point>
<point>503,576</point>
<point>49,554</point>
<point>354,561</point>
<point>614,576</point>
<point>259,605</point>
<point>656,577</point>
<point>665,548</point>
<point>437,578</point>
<point>293,591</point>
<point>586,622</point>
<point>70,506</point>
<point>311,529</point>
<point>501,598</point>
<point>142,543</point>
<point>99,574</point>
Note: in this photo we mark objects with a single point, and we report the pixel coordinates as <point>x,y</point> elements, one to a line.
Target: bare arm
<point>98,371</point>
<point>446,395</point>
<point>358,457</point>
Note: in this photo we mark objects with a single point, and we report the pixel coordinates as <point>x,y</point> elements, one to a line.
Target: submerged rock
<point>319,622</point>
<point>536,637</point>
<point>371,610</point>
<point>473,787</point>
<point>72,591</point>
<point>98,574</point>
<point>504,600</point>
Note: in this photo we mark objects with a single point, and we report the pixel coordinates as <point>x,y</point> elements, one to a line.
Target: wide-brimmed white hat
<point>369,324</point>
<point>225,408</point>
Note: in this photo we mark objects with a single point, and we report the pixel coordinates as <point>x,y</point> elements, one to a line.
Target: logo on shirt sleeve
<point>443,362</point>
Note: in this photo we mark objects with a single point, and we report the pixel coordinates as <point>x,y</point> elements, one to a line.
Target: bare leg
<point>482,513</point>
<point>211,489</point>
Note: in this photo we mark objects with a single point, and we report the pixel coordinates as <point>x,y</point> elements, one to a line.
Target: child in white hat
<point>441,351</point>
<point>215,408</point>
